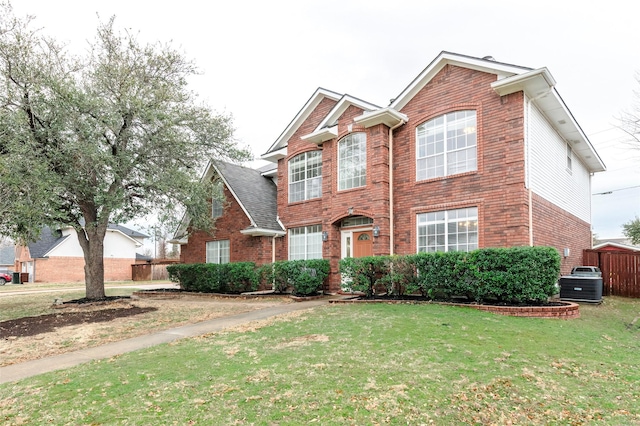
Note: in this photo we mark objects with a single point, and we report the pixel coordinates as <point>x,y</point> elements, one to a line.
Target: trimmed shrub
<point>214,278</point>
<point>200,277</point>
<point>400,276</point>
<point>280,276</point>
<point>515,275</point>
<point>301,277</point>
<point>365,274</point>
<point>239,277</point>
<point>441,275</point>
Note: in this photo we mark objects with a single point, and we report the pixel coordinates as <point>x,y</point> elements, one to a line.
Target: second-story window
<point>446,145</point>
<point>305,176</point>
<point>217,200</point>
<point>352,161</point>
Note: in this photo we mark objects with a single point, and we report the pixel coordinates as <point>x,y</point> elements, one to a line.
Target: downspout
<point>273,248</point>
<point>391,217</point>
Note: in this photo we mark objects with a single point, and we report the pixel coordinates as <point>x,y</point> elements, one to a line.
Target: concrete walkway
<point>23,370</point>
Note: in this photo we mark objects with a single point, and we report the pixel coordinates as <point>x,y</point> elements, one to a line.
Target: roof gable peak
<point>297,121</point>
<point>486,64</point>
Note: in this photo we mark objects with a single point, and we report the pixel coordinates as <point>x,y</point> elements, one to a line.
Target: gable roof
<point>486,64</point>
<point>126,231</point>
<point>616,245</point>
<point>49,239</point>
<point>538,86</point>
<point>256,195</point>
<point>275,151</point>
<point>328,129</point>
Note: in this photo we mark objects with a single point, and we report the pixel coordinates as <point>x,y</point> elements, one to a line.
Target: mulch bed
<point>32,326</point>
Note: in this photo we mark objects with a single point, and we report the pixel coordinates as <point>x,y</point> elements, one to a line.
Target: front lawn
<point>362,365</point>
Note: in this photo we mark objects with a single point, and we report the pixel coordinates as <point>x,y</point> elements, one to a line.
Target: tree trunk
<point>91,240</point>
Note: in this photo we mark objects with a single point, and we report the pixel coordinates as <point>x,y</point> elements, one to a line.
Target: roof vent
<point>489,58</point>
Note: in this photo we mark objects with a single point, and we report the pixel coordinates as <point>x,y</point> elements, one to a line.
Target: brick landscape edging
<point>568,310</point>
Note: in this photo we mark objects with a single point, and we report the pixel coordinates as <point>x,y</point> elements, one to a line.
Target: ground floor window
<point>448,230</point>
<point>305,242</point>
<point>218,251</point>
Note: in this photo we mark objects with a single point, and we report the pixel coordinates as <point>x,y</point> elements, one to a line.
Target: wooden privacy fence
<point>620,271</point>
<point>150,271</point>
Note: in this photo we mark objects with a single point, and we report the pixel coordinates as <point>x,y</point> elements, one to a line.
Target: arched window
<point>446,145</point>
<point>352,161</point>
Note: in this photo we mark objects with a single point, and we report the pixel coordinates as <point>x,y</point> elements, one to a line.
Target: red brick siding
<point>71,269</point>
<point>496,188</point>
<point>370,200</point>
<point>555,227</point>
<point>242,248</point>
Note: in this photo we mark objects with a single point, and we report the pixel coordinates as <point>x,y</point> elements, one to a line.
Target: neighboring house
<point>7,257</point>
<point>616,244</point>
<point>472,153</point>
<point>58,257</point>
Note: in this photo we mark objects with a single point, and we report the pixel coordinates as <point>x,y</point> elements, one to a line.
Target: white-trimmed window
<point>352,161</point>
<point>218,251</point>
<point>569,157</point>
<point>446,145</point>
<point>305,176</point>
<point>217,200</point>
<point>448,230</point>
<point>305,242</point>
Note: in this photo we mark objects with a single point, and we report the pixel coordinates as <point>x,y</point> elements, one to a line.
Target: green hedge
<point>366,274</point>
<point>235,277</point>
<point>517,275</point>
<point>300,277</point>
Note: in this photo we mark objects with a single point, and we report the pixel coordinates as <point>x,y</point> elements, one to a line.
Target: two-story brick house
<point>473,153</point>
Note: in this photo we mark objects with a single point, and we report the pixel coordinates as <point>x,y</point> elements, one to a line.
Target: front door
<point>362,244</point>
<point>356,243</point>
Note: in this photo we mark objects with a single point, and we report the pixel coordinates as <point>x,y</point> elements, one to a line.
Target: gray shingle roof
<point>126,231</point>
<point>256,193</point>
<point>48,240</point>
<point>7,255</point>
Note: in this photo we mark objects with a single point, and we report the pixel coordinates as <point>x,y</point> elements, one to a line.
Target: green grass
<point>362,365</point>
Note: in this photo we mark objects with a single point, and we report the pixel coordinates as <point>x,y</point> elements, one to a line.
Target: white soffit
<point>538,86</point>
<point>274,156</point>
<point>322,135</point>
<point>387,116</point>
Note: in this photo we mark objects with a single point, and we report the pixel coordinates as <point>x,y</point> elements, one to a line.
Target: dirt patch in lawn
<point>79,326</point>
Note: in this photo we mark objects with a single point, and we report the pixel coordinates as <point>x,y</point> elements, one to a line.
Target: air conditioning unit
<point>581,289</point>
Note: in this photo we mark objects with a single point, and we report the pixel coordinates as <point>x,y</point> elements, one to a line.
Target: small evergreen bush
<point>301,277</point>
<point>365,274</point>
